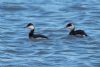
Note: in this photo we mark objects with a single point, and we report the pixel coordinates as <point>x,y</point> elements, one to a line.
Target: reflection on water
<point>50,18</point>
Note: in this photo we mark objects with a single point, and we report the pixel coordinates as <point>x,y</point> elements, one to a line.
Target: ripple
<point>12,7</point>
<point>50,18</point>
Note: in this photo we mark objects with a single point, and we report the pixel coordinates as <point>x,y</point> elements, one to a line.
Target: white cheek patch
<point>31,27</point>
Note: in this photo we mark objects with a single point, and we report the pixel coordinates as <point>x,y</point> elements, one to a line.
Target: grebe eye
<point>69,25</point>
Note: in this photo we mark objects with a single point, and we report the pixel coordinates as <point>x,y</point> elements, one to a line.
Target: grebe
<point>31,33</point>
<point>71,27</point>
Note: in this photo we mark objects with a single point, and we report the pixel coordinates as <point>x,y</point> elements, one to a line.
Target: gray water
<point>50,18</point>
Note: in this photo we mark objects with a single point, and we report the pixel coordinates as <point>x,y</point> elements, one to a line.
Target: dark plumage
<point>71,27</point>
<point>29,24</point>
<point>77,32</point>
<point>34,36</point>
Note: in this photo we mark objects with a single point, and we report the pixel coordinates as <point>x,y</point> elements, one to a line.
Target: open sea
<point>50,18</point>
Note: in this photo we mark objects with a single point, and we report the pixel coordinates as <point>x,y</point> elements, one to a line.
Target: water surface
<point>50,18</point>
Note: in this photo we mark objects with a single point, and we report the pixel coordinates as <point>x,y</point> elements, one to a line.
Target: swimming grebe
<point>32,35</point>
<point>71,27</point>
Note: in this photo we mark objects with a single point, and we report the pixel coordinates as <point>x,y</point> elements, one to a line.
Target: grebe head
<point>30,26</point>
<point>70,26</point>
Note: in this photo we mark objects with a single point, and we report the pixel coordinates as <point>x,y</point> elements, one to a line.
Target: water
<point>49,18</point>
